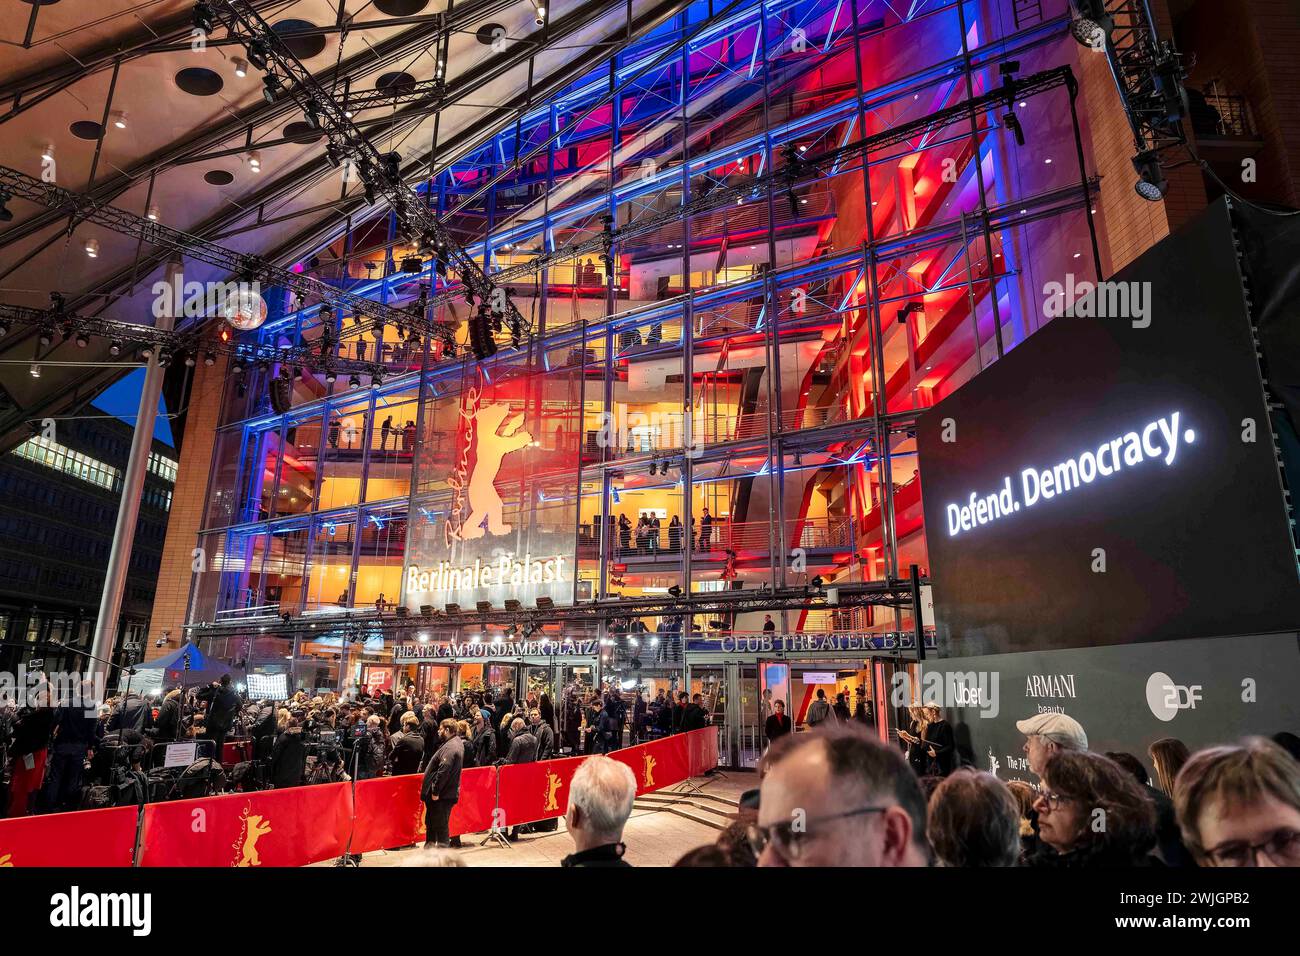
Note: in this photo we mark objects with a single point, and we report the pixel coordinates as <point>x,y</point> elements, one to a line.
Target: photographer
<point>371,757</point>
<point>168,726</point>
<point>223,705</point>
<point>289,757</point>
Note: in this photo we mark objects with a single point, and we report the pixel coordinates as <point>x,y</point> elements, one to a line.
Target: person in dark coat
<point>75,731</point>
<point>544,734</point>
<point>289,757</point>
<point>408,748</point>
<point>31,739</point>
<point>841,708</point>
<point>485,742</point>
<point>548,710</point>
<point>941,743</point>
<point>223,705</point>
<point>638,719</point>
<point>777,724</point>
<point>440,789</point>
<point>372,754</point>
<point>694,716</point>
<point>523,745</point>
<point>429,731</point>
<point>446,711</point>
<point>131,713</point>
<point>606,731</point>
<point>503,707</point>
<point>167,727</point>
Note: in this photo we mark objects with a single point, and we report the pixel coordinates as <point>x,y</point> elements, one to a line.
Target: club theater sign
<point>494,650</point>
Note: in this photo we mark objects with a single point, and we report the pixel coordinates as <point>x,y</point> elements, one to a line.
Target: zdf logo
<point>1166,699</point>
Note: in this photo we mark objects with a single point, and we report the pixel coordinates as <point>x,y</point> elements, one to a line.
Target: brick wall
<point>171,599</point>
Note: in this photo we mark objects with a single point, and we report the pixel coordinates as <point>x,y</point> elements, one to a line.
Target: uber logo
<point>1166,698</point>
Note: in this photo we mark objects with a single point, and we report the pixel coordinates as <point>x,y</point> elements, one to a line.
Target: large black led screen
<point>1113,479</point>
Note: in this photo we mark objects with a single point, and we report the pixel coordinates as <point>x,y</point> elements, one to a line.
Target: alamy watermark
<point>967,690</point>
<point>1099,300</point>
<point>201,299</point>
<point>39,688</point>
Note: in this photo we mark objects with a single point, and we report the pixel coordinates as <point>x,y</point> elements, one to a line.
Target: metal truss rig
<point>379,173</point>
<point>191,341</point>
<point>897,595</point>
<point>803,168</point>
<point>240,266</point>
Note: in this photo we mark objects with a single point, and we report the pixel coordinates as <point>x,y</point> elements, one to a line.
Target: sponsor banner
<point>290,827</point>
<point>660,763</point>
<point>80,838</point>
<point>536,791</point>
<point>1204,691</point>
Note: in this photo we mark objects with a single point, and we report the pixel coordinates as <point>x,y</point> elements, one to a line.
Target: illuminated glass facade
<point>747,376</point>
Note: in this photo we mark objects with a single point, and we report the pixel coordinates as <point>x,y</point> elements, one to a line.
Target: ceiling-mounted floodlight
<point>1151,184</point>
<point>1090,24</point>
<point>539,10</point>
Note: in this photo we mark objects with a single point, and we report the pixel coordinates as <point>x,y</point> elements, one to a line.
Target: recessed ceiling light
<point>119,118</point>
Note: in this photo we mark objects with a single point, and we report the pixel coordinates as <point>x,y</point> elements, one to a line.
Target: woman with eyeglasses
<point>1092,813</point>
<point>1240,805</point>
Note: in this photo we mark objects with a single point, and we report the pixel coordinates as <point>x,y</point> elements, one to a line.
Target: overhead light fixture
<point>540,11</point>
<point>152,215</point>
<point>1090,24</point>
<point>45,337</point>
<point>204,18</point>
<point>254,160</point>
<point>119,118</point>
<point>92,248</point>
<point>35,370</point>
<point>241,66</point>
<point>47,153</point>
<point>1151,184</point>
<point>82,340</point>
<point>257,54</point>
<point>270,88</point>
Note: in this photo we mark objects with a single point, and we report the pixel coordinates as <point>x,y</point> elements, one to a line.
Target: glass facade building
<point>721,399</point>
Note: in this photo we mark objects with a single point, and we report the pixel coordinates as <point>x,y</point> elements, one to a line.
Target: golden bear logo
<point>495,436</point>
<point>7,860</point>
<point>254,828</point>
<point>553,784</point>
<point>648,770</point>
<point>420,828</point>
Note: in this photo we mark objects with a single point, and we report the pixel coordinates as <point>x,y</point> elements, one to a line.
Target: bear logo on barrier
<point>254,828</point>
<point>7,860</point>
<point>553,784</point>
<point>648,771</point>
<point>495,436</point>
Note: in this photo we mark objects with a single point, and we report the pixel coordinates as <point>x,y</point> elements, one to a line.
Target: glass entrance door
<point>746,709</point>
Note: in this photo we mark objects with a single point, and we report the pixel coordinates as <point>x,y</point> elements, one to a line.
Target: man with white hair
<point>1046,734</point>
<point>600,801</point>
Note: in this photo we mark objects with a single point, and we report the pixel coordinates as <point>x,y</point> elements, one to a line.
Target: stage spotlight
<point>1151,184</point>
<point>82,340</point>
<point>675,590</point>
<point>312,114</point>
<point>539,13</point>
<point>817,581</point>
<point>354,381</point>
<point>257,53</point>
<point>153,215</point>
<point>1012,122</point>
<point>6,214</point>
<point>209,358</point>
<point>331,376</point>
<point>204,18</point>
<point>377,380</point>
<point>119,118</point>
<point>47,154</point>
<point>92,248</point>
<point>241,66</point>
<point>1090,25</point>
<point>270,88</point>
<point>254,160</point>
<point>189,361</point>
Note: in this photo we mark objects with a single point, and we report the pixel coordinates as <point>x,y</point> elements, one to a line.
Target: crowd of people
<point>837,796</point>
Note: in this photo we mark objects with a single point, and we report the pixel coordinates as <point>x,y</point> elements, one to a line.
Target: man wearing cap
<point>1045,734</point>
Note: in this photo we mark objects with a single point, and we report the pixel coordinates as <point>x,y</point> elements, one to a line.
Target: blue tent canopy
<point>176,660</point>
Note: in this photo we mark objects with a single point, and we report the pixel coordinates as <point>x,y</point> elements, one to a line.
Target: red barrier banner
<point>290,827</point>
<point>390,813</point>
<point>660,763</point>
<point>701,750</point>
<point>536,791</point>
<point>78,838</point>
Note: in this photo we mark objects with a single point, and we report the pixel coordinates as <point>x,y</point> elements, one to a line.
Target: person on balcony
<point>706,530</point>
<point>653,526</point>
<point>675,534</point>
<point>624,533</point>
